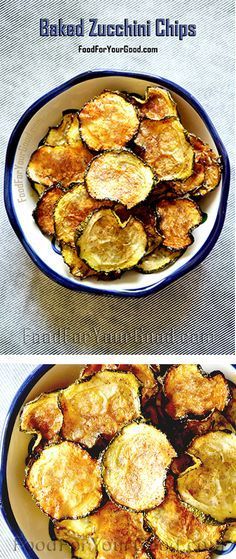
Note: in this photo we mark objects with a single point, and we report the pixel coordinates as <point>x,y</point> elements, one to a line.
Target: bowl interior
<point>32,522</point>
<point>24,198</point>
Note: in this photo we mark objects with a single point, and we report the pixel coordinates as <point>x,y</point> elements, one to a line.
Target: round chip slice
<point>108,121</point>
<point>65,481</point>
<point>120,176</point>
<point>134,466</point>
<point>166,148</point>
<point>178,528</point>
<point>178,217</point>
<point>43,417</point>
<point>210,486</point>
<point>98,406</point>
<point>108,245</point>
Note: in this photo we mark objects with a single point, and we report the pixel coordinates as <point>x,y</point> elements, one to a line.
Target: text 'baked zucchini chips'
<point>130,155</point>
<point>136,461</point>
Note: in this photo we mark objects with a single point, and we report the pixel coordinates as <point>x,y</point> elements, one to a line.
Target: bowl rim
<point>203,251</point>
<point>5,505</point>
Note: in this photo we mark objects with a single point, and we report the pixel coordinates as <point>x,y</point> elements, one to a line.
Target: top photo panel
<point>119,214</point>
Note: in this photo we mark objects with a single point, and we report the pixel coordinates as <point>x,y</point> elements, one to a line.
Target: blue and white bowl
<point>29,526</point>
<point>20,199</point>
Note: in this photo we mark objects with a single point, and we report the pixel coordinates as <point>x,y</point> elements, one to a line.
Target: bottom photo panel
<point>118,461</point>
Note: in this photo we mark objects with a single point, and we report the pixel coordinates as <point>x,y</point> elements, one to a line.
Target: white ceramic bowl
<point>20,199</point>
<point>27,523</point>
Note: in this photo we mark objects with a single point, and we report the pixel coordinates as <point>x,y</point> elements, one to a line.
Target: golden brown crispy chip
<point>49,165</point>
<point>230,410</point>
<point>108,245</point>
<point>113,533</point>
<point>98,406</point>
<point>158,104</point>
<point>134,466</point>
<point>210,486</point>
<point>121,176</point>
<point>67,131</point>
<point>78,268</point>
<point>178,528</point>
<point>44,211</point>
<point>178,217</point>
<point>73,208</point>
<point>166,148</point>
<point>158,260</point>
<point>108,121</point>
<point>43,417</point>
<point>198,394</point>
<point>65,481</point>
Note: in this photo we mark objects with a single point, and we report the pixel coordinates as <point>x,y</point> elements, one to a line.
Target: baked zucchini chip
<point>158,104</point>
<point>49,165</point>
<point>230,534</point>
<point>230,410</point>
<point>178,528</point>
<point>67,132</point>
<point>78,268</point>
<point>134,466</point>
<point>65,481</point>
<point>76,533</point>
<point>215,422</point>
<point>166,148</point>
<point>98,406</point>
<point>144,373</point>
<point>160,551</point>
<point>39,188</point>
<point>120,176</point>
<point>43,213</point>
<point>206,157</point>
<point>193,183</point>
<point>115,533</point>
<point>178,217</point>
<point>210,486</point>
<point>71,211</point>
<point>108,121</point>
<point>158,260</point>
<point>198,394</point>
<point>43,417</point>
<point>108,245</point>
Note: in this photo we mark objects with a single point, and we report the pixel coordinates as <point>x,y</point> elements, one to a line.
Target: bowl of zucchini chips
<point>119,183</point>
<point>112,462</point>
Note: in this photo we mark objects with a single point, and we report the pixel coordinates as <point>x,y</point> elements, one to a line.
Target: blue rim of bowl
<point>9,164</point>
<point>5,504</point>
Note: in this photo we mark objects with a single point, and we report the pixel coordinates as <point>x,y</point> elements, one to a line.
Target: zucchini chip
<point>210,486</point>
<point>108,245</point>
<point>178,217</point>
<point>78,268</point>
<point>166,148</point>
<point>111,532</point>
<point>215,422</point>
<point>120,176</point>
<point>67,132</point>
<point>230,534</point>
<point>71,210</point>
<point>198,394</point>
<point>43,417</point>
<point>158,104</point>
<point>39,188</point>
<point>52,164</point>
<point>207,158</point>
<point>99,406</point>
<point>134,466</point>
<point>143,373</point>
<point>158,260</point>
<point>43,213</point>
<point>230,410</point>
<point>65,481</point>
<point>191,184</point>
<point>108,121</point>
<point>160,551</point>
<point>178,528</point>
